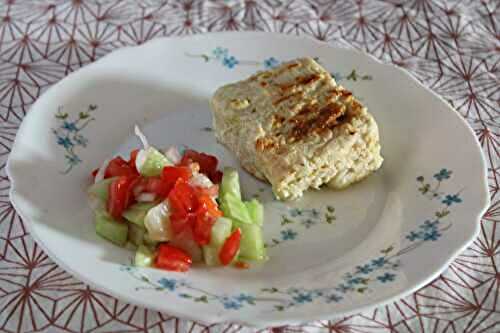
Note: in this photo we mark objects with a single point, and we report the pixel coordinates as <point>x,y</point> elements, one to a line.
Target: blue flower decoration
<point>365,269</point>
<point>429,225</point>
<point>245,298</point>
<point>271,62</point>
<point>220,53</point>
<point>231,304</point>
<point>308,223</point>
<point>70,126</point>
<point>73,159</point>
<point>288,234</point>
<point>317,293</point>
<point>65,142</point>
<point>333,298</point>
<point>354,280</point>
<point>387,277</point>
<point>443,174</point>
<point>379,262</point>
<point>230,62</point>
<point>295,212</point>
<point>169,284</point>
<point>343,288</point>
<point>433,235</point>
<point>451,199</point>
<point>81,140</point>
<point>413,236</point>
<point>303,298</point>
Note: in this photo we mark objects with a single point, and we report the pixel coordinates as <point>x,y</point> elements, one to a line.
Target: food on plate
<point>296,128</point>
<point>176,209</point>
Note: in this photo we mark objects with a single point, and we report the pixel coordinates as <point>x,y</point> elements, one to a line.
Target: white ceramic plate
<point>331,253</point>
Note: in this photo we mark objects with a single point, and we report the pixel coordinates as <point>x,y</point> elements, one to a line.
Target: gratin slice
<point>296,128</point>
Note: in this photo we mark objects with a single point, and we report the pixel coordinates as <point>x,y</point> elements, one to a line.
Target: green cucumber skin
<point>256,211</point>
<point>220,232</point>
<point>110,230</point>
<point>235,209</point>
<point>230,184</point>
<point>101,189</point>
<point>252,242</point>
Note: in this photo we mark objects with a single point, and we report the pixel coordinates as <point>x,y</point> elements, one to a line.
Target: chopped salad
<point>175,208</point>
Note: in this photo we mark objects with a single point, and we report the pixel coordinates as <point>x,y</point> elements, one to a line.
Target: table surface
<point>453,47</point>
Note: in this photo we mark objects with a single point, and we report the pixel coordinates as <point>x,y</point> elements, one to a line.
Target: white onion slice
<point>199,179</point>
<point>141,136</point>
<point>102,169</point>
<point>141,158</point>
<point>146,197</point>
<point>157,222</point>
<point>173,155</point>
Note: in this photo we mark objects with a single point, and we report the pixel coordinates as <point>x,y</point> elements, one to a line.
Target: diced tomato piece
<point>154,185</point>
<point>209,206</point>
<point>171,174</point>
<point>179,222</point>
<point>202,228</point>
<point>183,203</point>
<point>172,259</point>
<point>230,247</point>
<point>207,163</point>
<point>182,197</point>
<point>118,167</point>
<point>94,173</point>
<point>157,186</point>
<point>216,177</point>
<point>120,196</point>
<point>133,157</point>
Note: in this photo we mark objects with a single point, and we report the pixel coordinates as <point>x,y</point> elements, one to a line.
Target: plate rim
<point>482,205</point>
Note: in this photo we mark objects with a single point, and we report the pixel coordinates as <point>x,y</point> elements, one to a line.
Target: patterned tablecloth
<point>453,47</point>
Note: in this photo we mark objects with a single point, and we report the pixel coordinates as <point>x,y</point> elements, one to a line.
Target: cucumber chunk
<point>256,211</point>
<point>211,255</point>
<point>252,242</point>
<point>150,162</point>
<point>101,189</point>
<point>111,230</point>
<point>235,209</point>
<point>137,212</point>
<point>220,231</point>
<point>230,184</point>
<point>144,257</point>
<point>148,241</point>
<point>136,234</point>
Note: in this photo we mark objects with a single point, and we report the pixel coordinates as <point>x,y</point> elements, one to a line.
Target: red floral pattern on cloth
<point>453,47</point>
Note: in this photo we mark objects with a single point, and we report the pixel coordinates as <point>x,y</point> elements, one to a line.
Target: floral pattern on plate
<point>226,59</point>
<point>69,134</point>
<point>297,220</point>
<point>381,269</point>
